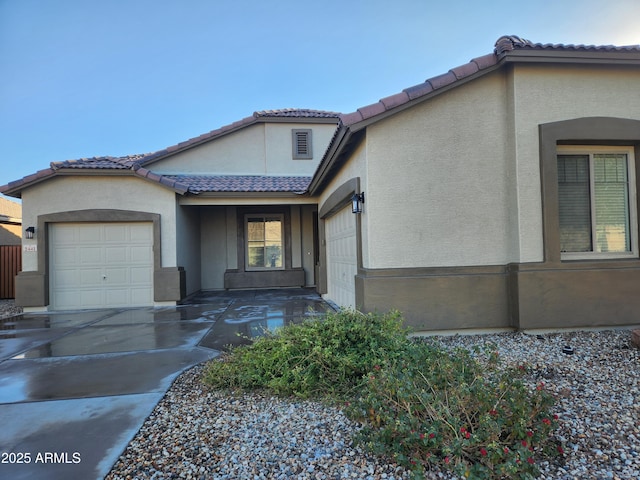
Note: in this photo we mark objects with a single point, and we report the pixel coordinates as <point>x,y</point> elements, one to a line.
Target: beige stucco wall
<point>64,194</point>
<point>260,149</point>
<point>188,246</point>
<point>455,181</point>
<point>439,181</point>
<point>218,245</point>
<point>545,94</point>
<point>356,167</point>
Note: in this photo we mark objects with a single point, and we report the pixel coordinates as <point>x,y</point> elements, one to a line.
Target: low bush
<point>420,404</point>
<point>329,356</point>
<point>451,409</point>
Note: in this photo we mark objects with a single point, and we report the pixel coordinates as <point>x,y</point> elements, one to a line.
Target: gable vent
<point>302,144</point>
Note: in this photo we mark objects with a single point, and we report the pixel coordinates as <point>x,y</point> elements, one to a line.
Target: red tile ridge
<point>395,100</point>
<point>418,90</point>
<point>372,110</point>
<point>351,118</point>
<point>465,70</point>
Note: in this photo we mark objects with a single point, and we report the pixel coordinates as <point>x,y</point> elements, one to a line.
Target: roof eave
<point>328,160</point>
<point>15,189</point>
<point>252,194</point>
<point>569,56</point>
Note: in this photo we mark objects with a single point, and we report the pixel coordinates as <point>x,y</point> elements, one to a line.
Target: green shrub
<point>420,405</point>
<point>438,407</point>
<point>329,356</point>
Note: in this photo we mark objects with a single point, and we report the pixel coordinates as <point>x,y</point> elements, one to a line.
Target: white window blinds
<point>594,203</point>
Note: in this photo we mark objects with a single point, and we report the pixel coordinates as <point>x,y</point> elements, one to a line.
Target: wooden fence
<point>10,265</point>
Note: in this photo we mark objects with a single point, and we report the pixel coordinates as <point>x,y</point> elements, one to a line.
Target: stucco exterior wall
<point>64,194</point>
<point>439,181</point>
<point>356,167</point>
<point>468,165</point>
<point>188,246</point>
<point>261,149</point>
<point>543,94</point>
<point>278,146</point>
<point>215,241</point>
<point>237,153</point>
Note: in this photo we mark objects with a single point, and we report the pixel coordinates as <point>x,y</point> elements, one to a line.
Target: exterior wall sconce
<point>357,200</point>
<point>30,232</point>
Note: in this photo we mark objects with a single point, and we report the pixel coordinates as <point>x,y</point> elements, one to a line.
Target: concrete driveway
<point>75,387</point>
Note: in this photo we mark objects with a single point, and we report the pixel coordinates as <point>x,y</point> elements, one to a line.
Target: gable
<point>260,149</point>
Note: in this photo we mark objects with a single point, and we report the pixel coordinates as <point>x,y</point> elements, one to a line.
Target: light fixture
<point>30,232</point>
<point>356,202</point>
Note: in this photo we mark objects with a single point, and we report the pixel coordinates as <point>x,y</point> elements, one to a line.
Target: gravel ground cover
<point>8,308</point>
<point>198,433</point>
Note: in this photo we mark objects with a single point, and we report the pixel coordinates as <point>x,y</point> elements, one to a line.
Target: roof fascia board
<point>249,194</point>
<point>323,120</point>
<point>571,57</point>
<point>16,191</point>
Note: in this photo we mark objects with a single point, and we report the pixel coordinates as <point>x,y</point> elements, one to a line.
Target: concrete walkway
<point>75,387</point>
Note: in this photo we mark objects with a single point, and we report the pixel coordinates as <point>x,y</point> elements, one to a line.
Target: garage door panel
<point>115,233</point>
<point>64,256</point>
<point>96,265</point>
<point>116,254</point>
<point>139,234</point>
<point>87,277</point>
<point>141,255</point>
<point>142,295</point>
<point>116,276</point>
<point>342,265</point>
<point>141,275</point>
<point>91,255</point>
<point>117,297</point>
<point>89,233</point>
<point>71,278</point>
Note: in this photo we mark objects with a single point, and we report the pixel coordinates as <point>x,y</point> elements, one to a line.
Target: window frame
<point>296,154</point>
<point>590,151</point>
<point>264,216</point>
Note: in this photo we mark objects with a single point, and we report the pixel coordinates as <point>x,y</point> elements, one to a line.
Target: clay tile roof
<point>509,43</point>
<point>504,45</point>
<point>296,113</point>
<point>242,183</point>
<point>100,163</point>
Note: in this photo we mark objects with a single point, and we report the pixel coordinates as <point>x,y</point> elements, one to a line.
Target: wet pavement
<point>75,387</point>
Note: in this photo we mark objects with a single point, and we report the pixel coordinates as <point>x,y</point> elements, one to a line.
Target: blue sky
<point>83,78</point>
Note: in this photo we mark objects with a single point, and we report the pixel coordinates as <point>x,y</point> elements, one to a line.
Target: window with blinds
<point>596,202</point>
<point>302,144</point>
<point>265,245</point>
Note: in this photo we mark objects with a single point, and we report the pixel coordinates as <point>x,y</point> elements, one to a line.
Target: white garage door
<point>342,258</point>
<point>98,265</point>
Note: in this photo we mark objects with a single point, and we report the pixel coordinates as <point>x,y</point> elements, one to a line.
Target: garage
<point>100,265</point>
<point>342,258</point>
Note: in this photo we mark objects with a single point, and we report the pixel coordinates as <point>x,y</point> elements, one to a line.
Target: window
<point>302,144</point>
<point>596,201</point>
<point>265,249</point>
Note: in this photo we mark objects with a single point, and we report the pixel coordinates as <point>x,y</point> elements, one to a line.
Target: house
<point>10,222</point>
<point>10,246</point>
<point>500,194</point>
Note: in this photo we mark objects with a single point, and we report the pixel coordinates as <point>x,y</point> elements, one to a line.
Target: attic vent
<point>302,144</point>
